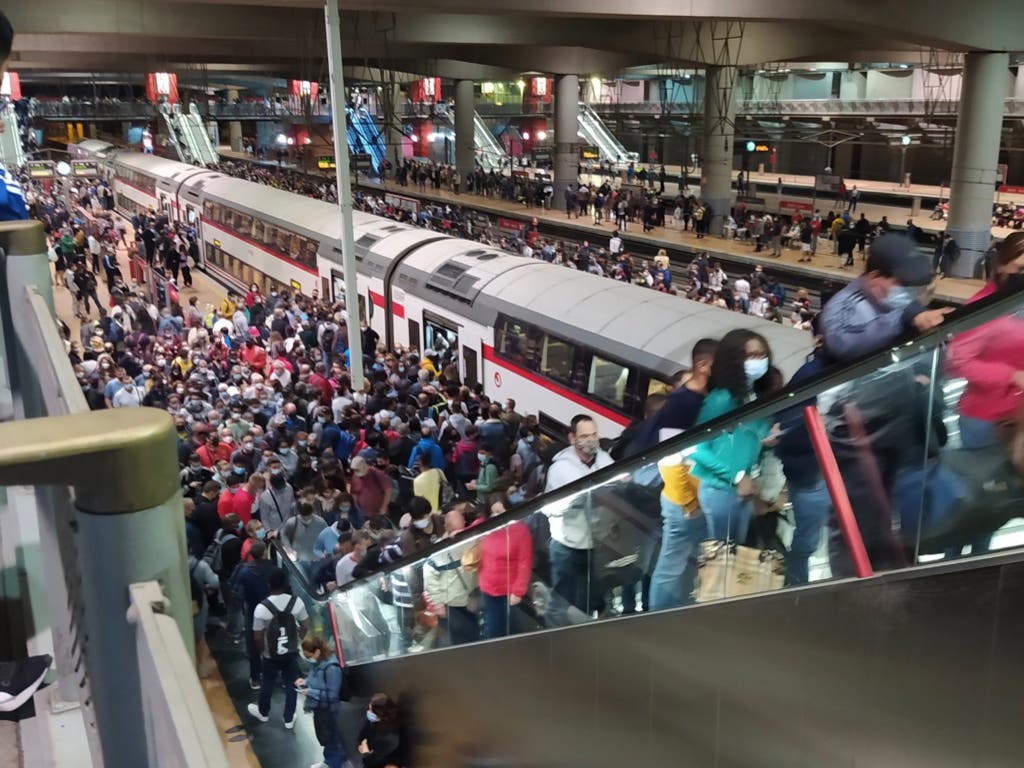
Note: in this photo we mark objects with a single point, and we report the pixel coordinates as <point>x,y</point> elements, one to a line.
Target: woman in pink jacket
<point>991,359</point>
<point>506,559</point>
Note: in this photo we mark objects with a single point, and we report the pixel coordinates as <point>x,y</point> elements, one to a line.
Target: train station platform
<point>825,265</point>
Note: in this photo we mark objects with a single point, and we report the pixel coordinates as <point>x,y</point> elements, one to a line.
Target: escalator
<point>489,153</point>
<point>370,139</point>
<point>12,154</point>
<point>187,134</point>
<point>855,668</point>
<point>596,133</point>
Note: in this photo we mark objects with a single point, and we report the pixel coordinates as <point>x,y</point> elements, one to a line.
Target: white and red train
<point>556,340</point>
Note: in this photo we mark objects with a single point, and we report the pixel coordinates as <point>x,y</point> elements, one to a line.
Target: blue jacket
<point>430,448</point>
<point>794,449</point>
<point>719,460</point>
<point>853,323</point>
<point>323,685</point>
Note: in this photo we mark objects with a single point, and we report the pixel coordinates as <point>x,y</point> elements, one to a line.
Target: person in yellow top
<point>685,528</point>
<point>428,365</point>
<point>837,224</point>
<point>228,306</point>
<point>427,484</point>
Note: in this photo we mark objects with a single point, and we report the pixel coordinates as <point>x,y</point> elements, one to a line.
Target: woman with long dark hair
<point>723,464</point>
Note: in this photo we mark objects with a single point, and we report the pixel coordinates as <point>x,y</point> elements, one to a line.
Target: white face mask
<point>755,368</point>
<point>422,524</point>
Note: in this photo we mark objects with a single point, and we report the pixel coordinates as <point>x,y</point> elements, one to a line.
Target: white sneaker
<point>289,724</point>
<point>254,710</point>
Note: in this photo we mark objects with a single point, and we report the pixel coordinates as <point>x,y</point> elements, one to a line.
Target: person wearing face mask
<point>882,304</point>
<point>226,502</point>
<point>506,559</point>
<point>379,740</point>
<point>723,464</point>
<point>286,454</point>
<point>246,455</point>
<point>277,503</point>
<point>571,546</point>
<point>321,693</point>
<point>254,531</point>
<point>893,428</point>
<point>300,534</point>
<point>194,476</point>
<point>486,478</point>
<point>991,360</point>
<point>128,396</point>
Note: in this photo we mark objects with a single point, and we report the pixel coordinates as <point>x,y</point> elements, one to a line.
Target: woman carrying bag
<point>321,692</point>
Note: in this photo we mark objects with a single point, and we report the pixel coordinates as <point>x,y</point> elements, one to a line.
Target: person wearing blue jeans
<point>811,506</point>
<point>676,569</point>
<point>726,513</point>
<point>976,435</point>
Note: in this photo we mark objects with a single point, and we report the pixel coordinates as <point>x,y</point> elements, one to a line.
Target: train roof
<point>94,147</point>
<point>293,209</point>
<point>606,314</point>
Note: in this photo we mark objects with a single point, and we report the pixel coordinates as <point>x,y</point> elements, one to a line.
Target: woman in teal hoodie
<point>723,464</point>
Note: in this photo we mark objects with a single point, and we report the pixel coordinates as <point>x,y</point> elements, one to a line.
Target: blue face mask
<point>239,470</point>
<point>372,716</point>
<point>755,368</point>
<point>900,297</point>
<point>482,457</point>
<point>261,534</point>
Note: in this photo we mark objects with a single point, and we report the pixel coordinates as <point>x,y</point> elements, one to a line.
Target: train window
<point>519,343</point>
<point>309,255</point>
<point>656,386</point>
<point>257,230</point>
<point>608,381</point>
<point>243,224</point>
<point>558,361</point>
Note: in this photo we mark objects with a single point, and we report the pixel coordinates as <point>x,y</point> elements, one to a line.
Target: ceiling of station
<point>487,39</point>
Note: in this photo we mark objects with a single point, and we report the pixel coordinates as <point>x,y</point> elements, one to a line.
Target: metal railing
<point>111,532</point>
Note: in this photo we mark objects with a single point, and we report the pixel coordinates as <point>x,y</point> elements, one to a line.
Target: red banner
<point>303,88</point>
<point>1011,190</point>
<point>425,91</point>
<point>162,85</point>
<point>510,225</point>
<point>795,205</point>
<point>422,131</point>
<point>11,87</point>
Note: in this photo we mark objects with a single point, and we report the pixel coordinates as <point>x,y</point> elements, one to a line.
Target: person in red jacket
<point>226,501</point>
<point>506,559</point>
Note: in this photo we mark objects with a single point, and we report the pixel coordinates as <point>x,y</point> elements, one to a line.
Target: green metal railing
<point>111,529</point>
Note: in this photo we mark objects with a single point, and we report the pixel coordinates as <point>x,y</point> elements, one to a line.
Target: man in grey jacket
<point>277,503</point>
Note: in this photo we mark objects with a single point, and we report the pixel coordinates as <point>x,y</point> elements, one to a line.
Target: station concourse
<point>491,386</point>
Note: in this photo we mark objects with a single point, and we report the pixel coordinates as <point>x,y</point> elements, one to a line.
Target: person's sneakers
<point>254,710</point>
<point>289,724</point>
<point>254,684</point>
<point>20,679</point>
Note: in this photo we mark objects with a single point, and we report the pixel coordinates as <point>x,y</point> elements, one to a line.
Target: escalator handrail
<point>963,319</point>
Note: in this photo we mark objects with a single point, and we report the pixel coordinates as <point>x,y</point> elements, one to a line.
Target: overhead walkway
<point>896,653</point>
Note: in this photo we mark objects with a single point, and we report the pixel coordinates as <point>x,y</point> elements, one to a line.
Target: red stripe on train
<point>538,380</point>
<point>378,301</point>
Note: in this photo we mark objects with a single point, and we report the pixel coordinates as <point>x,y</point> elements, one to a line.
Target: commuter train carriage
<point>557,341</point>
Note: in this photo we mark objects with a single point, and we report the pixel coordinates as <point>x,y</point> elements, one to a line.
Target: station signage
<point>761,148</point>
<point>826,182</point>
<point>1011,190</point>
<point>400,201</point>
<point>361,161</point>
<point>795,206</point>
<point>326,163</point>
<point>40,169</point>
<point>84,168</point>
<point>510,225</point>
<point>589,153</point>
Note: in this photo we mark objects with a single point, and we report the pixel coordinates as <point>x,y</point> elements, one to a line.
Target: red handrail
<point>334,630</point>
<point>837,490</point>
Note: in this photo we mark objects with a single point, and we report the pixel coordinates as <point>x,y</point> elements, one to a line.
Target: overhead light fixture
<point>526,135</point>
<point>541,135</point>
<point>414,137</point>
<point>905,140</point>
<point>282,139</point>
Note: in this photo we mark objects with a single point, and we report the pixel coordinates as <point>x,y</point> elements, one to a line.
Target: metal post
<point>131,529</point>
<point>24,265</point>
<point>339,122</point>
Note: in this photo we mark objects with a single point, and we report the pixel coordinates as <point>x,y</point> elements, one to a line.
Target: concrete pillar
<point>395,137</point>
<point>1018,84</point>
<point>716,160</point>
<point>975,156</point>
<point>465,141</point>
<point>235,127</point>
<point>567,158</point>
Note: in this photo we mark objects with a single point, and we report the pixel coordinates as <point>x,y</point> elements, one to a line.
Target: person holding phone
<point>321,693</point>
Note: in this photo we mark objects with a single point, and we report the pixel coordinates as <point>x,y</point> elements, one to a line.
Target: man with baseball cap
<point>875,423</point>
<point>879,306</point>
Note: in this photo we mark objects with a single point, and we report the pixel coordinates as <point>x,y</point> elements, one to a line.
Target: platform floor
<point>824,265</point>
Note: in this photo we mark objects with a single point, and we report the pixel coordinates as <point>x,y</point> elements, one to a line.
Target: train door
<point>164,203</point>
<point>194,220</point>
<point>471,373</point>
<point>338,293</point>
<point>414,334</point>
<point>441,341</point>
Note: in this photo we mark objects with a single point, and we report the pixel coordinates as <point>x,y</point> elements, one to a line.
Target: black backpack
<point>282,633</point>
<point>345,691</point>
